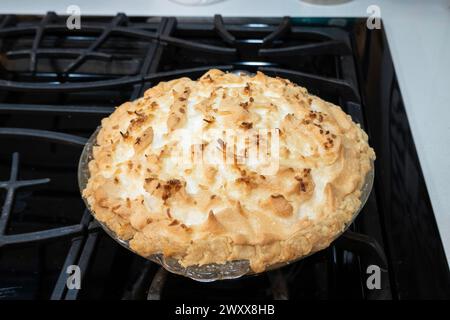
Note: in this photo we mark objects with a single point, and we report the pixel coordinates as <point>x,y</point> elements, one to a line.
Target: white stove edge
<point>417,32</point>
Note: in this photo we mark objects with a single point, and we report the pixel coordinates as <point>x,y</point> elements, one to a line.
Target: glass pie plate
<point>208,272</point>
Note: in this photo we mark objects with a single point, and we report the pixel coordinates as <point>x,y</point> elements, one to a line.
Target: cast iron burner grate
<point>56,85</point>
<point>56,68</point>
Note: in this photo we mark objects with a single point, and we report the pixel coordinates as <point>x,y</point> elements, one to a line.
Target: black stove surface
<point>57,84</point>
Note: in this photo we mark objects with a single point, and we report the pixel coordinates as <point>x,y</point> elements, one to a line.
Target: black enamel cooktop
<point>57,84</point>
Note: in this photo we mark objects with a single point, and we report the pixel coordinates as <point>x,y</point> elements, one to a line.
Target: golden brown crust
<point>201,213</point>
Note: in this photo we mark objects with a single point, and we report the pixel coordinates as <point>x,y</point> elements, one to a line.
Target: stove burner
<point>57,84</point>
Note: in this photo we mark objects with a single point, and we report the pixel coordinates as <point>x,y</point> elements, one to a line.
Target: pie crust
<point>149,185</point>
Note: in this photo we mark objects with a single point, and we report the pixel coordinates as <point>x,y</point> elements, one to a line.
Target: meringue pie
<point>228,167</point>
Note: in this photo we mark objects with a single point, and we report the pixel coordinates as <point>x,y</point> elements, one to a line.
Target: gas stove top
<point>57,84</point>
